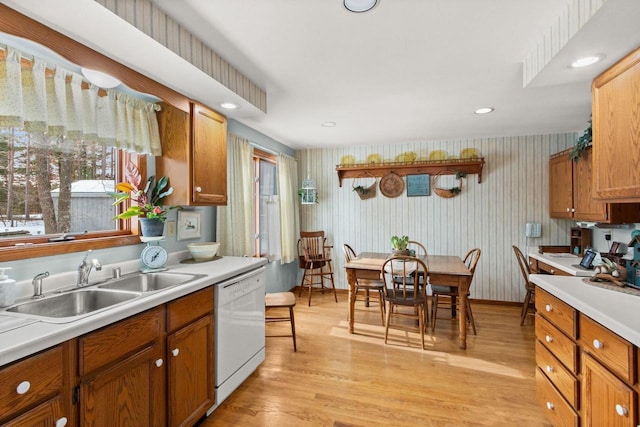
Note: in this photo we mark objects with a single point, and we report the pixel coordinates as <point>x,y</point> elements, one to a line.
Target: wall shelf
<point>468,166</point>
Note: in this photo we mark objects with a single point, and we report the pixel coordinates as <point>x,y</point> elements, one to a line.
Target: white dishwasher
<point>239,331</point>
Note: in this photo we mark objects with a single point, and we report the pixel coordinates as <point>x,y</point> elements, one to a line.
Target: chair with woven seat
<point>315,259</point>
<point>366,285</point>
<point>280,300</point>
<point>400,274</point>
<point>529,298</point>
<point>451,292</point>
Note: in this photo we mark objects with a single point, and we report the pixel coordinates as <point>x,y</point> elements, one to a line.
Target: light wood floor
<point>338,379</point>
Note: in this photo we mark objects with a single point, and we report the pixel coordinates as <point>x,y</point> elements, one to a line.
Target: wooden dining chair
<point>315,258</point>
<point>366,286</point>
<point>451,293</point>
<point>529,298</point>
<point>419,248</point>
<point>400,274</point>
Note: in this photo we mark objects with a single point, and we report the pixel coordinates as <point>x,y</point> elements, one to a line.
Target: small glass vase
<point>151,227</point>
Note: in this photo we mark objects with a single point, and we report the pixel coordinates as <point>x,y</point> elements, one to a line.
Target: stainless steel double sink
<point>76,303</point>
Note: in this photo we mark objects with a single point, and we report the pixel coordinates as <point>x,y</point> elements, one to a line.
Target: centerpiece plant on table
<point>399,245</point>
<point>148,199</point>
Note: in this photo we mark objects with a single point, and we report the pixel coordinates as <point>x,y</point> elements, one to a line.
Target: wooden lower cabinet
<point>606,400</point>
<point>128,393</point>
<point>50,413</point>
<point>190,369</point>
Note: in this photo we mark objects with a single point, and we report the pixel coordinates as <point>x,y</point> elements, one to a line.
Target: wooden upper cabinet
<point>194,155</point>
<point>570,192</point>
<point>616,131</point>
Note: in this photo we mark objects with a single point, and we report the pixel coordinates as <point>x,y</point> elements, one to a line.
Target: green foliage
<point>360,189</point>
<point>399,243</point>
<point>582,143</point>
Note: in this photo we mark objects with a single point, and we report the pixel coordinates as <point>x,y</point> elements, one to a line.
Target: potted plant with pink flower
<point>148,200</point>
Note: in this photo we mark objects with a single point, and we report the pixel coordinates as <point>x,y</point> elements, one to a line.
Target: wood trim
<point>17,24</point>
<point>627,62</point>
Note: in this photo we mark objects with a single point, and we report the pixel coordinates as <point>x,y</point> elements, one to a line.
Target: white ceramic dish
<point>203,251</point>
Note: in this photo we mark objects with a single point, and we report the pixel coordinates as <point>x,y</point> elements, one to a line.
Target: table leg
<point>351,280</point>
<point>462,309</point>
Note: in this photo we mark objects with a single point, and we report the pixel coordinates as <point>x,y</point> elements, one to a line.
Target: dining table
<point>444,270</point>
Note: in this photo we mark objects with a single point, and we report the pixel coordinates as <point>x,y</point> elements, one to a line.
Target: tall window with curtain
<point>60,138</point>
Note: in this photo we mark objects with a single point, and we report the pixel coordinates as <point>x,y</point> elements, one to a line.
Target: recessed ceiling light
<point>484,110</point>
<point>328,124</point>
<point>585,62</point>
<point>359,6</point>
<point>229,105</point>
<point>100,79</point>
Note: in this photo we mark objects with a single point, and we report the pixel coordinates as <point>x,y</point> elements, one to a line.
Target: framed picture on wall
<point>189,225</point>
<point>418,185</point>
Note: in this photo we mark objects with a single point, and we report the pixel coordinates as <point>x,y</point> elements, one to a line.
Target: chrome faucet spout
<point>84,269</point>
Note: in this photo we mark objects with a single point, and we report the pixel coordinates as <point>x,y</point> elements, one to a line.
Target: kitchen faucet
<point>85,268</point>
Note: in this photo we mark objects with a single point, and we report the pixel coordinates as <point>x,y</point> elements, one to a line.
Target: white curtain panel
<point>62,104</point>
<point>235,221</point>
<point>289,211</point>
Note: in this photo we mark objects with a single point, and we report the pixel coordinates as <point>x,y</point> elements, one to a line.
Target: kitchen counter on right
<point>614,310</point>
<point>565,262</point>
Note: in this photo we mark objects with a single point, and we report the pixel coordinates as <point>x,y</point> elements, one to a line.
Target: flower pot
<point>400,252</point>
<point>150,227</point>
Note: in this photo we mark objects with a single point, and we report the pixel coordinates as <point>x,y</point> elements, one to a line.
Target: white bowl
<point>203,251</point>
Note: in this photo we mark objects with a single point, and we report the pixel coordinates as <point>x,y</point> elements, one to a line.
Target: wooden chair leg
<point>470,318</point>
<point>453,307</point>
<point>386,324</point>
<point>434,312</point>
<point>382,306</point>
<point>293,328</point>
<point>525,307</point>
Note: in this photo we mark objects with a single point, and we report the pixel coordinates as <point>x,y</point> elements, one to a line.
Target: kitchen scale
<point>154,257</point>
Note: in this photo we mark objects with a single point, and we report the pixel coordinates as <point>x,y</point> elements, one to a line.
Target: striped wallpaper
<point>491,215</point>
<point>151,20</point>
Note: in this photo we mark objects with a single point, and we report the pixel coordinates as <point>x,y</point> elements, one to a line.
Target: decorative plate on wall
<point>391,185</point>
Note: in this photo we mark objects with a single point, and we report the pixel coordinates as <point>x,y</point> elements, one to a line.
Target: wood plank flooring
<point>343,380</point>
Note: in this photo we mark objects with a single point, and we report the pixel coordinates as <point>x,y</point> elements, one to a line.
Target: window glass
<point>54,186</point>
<point>267,208</point>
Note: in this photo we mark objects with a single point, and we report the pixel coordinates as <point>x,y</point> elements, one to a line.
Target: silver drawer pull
<point>175,351</point>
<point>61,422</point>
<point>159,362</point>
<point>598,344</point>
<point>621,410</point>
<point>549,368</point>
<point>550,406</point>
<point>548,307</point>
<point>548,338</point>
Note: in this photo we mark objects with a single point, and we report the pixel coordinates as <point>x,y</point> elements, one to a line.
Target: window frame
<point>15,23</point>
<point>258,155</point>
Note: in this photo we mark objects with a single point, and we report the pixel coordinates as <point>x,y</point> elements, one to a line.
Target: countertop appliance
<point>239,331</point>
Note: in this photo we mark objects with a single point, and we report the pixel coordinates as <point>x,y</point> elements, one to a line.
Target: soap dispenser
<point>7,288</point>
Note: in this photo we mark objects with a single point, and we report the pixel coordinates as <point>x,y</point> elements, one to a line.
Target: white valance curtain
<point>61,104</point>
<point>235,221</point>
<point>289,211</point>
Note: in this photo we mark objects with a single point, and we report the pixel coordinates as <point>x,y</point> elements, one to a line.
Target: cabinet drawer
<point>559,412</point>
<point>30,381</point>
<point>114,342</point>
<point>560,345</point>
<point>533,265</point>
<point>613,351</point>
<point>542,266</point>
<point>560,376</point>
<point>189,308</point>
<point>557,312</point>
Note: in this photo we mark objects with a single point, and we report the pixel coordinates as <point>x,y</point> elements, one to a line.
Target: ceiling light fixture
<point>585,62</point>
<point>100,79</point>
<point>484,110</point>
<point>229,105</point>
<point>359,6</point>
<point>328,124</point>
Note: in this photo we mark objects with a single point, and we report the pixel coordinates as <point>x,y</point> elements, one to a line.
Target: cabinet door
<point>48,414</point>
<point>209,145</point>
<point>586,207</point>
<point>616,131</point>
<point>560,187</point>
<point>190,381</point>
<point>128,393</point>
<point>606,400</point>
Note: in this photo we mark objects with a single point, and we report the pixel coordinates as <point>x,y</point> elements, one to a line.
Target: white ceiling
<point>409,70</point>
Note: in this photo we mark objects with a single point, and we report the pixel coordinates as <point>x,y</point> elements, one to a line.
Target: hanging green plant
<point>360,189</point>
<point>582,143</point>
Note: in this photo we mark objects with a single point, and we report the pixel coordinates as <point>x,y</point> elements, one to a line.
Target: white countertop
<point>20,339</point>
<point>565,262</point>
<point>614,310</point>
